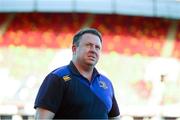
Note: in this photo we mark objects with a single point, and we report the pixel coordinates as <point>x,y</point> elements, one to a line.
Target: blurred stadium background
<point>141,52</point>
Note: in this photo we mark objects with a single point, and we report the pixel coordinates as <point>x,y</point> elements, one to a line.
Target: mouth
<point>92,57</point>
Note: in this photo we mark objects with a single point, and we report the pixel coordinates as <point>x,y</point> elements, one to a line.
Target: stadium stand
<point>43,30</point>
<point>127,32</point>
<point>3,17</point>
<point>176,50</point>
<point>40,29</point>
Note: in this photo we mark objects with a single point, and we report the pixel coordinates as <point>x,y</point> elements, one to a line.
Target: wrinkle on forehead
<point>91,38</point>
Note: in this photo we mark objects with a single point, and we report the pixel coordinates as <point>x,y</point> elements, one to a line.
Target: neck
<point>84,70</point>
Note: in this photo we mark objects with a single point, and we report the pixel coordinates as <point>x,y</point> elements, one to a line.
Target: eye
<point>97,47</point>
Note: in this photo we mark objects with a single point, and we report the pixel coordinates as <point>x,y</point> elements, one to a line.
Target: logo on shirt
<point>66,78</point>
<point>103,85</point>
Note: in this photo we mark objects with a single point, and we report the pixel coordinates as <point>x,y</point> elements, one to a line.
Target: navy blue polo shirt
<point>68,94</point>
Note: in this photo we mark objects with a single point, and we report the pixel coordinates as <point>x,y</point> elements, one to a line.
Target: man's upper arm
<point>115,109</point>
<point>42,113</point>
<point>50,93</point>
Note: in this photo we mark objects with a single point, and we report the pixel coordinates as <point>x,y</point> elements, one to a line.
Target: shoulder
<point>57,77</point>
<point>104,78</point>
<point>61,71</point>
<point>59,74</point>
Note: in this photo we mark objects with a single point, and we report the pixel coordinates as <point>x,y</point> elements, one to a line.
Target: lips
<point>92,57</point>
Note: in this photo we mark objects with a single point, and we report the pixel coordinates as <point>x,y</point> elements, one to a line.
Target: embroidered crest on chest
<point>103,85</point>
<point>66,78</point>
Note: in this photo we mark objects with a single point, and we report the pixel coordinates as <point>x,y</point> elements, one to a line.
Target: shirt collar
<point>75,71</point>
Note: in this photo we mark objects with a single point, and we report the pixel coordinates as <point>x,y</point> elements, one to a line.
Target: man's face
<point>89,49</point>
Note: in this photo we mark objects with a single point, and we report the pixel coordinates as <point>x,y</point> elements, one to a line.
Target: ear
<point>74,47</point>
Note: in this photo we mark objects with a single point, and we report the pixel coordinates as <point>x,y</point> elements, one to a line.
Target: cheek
<point>98,55</point>
<point>82,52</point>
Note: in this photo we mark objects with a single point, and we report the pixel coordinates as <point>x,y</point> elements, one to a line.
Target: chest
<point>81,94</point>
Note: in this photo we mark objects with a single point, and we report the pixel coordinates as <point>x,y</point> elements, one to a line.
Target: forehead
<point>90,38</point>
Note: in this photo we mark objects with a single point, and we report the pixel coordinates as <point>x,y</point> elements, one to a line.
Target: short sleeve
<point>50,93</point>
<point>115,109</point>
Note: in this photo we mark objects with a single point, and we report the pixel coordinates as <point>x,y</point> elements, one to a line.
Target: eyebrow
<point>94,44</point>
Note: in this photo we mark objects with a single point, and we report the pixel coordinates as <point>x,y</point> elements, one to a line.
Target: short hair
<point>80,33</point>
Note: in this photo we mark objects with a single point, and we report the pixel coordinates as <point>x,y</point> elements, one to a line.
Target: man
<point>78,90</point>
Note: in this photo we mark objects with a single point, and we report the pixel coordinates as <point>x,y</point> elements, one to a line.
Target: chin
<point>91,63</point>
